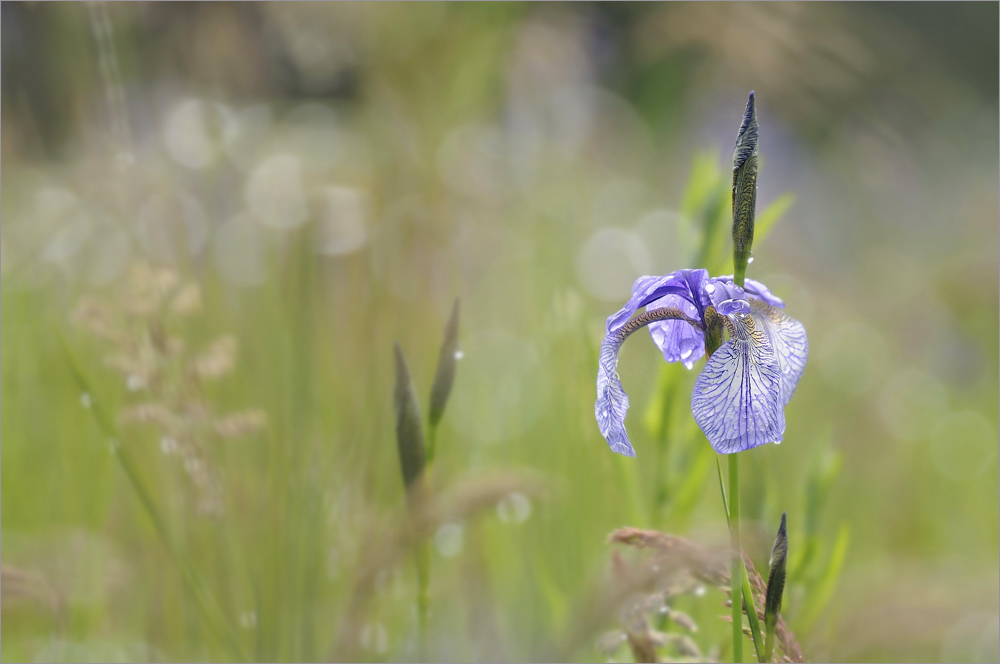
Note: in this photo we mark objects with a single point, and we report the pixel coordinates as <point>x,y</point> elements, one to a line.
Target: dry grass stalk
<point>137,319</point>
<point>670,554</point>
<point>18,586</point>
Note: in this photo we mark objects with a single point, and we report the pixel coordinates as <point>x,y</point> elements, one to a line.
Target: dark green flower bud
<point>445,375</point>
<point>775,586</point>
<point>409,430</point>
<point>744,191</point>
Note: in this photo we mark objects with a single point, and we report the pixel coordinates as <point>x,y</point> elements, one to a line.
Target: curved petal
<point>736,398</point>
<point>677,339</point>
<point>789,341</point>
<point>650,289</point>
<point>612,402</point>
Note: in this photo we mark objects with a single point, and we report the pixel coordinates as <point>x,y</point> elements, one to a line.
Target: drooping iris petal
<point>789,341</point>
<point>677,339</point>
<point>727,297</point>
<point>737,397</point>
<point>649,289</point>
<point>612,402</point>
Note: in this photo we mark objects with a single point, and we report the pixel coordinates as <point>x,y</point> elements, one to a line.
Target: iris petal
<point>789,341</point>
<point>612,402</point>
<point>677,339</point>
<point>736,398</point>
<point>727,297</point>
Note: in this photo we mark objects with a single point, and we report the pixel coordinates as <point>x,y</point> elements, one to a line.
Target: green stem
<point>739,272</point>
<point>758,642</point>
<point>770,624</point>
<point>736,565</point>
<point>423,593</point>
<point>423,555</point>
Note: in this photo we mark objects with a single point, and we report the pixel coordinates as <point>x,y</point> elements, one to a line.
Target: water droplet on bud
<point>750,258</point>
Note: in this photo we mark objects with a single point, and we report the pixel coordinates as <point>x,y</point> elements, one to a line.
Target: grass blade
<point>214,617</point>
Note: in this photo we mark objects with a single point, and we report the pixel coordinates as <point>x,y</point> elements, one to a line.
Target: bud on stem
<point>409,430</point>
<point>775,586</point>
<point>744,191</point>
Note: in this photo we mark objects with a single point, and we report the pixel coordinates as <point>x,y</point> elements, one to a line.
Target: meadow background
<point>217,218</point>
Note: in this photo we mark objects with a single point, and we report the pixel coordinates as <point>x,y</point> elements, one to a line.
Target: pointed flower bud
<point>775,586</point>
<point>445,375</point>
<point>744,190</point>
<point>409,431</point>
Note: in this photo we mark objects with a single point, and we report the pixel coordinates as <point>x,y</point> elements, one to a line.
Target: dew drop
<point>777,442</point>
<point>750,258</point>
<point>168,445</point>
<point>459,355</point>
<point>514,508</point>
<point>86,400</point>
<point>449,539</point>
<point>700,591</point>
<point>710,288</point>
<point>248,619</point>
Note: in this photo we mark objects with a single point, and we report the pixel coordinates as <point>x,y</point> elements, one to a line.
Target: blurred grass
<point>889,550</point>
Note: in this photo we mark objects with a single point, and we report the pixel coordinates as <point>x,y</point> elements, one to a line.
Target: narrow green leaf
<point>214,617</point>
<point>775,586</point>
<point>444,377</point>
<point>828,581</point>
<point>754,621</point>
<point>750,604</point>
<point>409,431</point>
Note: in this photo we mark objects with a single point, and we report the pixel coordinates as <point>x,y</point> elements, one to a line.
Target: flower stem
<point>423,594</point>
<point>736,564</point>
<point>739,272</point>
<point>423,557</point>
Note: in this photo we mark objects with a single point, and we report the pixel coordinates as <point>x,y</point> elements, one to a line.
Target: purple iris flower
<point>739,398</point>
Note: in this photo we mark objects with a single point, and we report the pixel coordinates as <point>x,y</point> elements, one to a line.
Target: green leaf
<point>772,214</point>
<point>828,581</point>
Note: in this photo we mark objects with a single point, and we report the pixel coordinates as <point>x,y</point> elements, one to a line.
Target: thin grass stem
<point>736,566</point>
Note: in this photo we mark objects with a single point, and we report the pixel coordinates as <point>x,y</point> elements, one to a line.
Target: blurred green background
<point>218,217</point>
